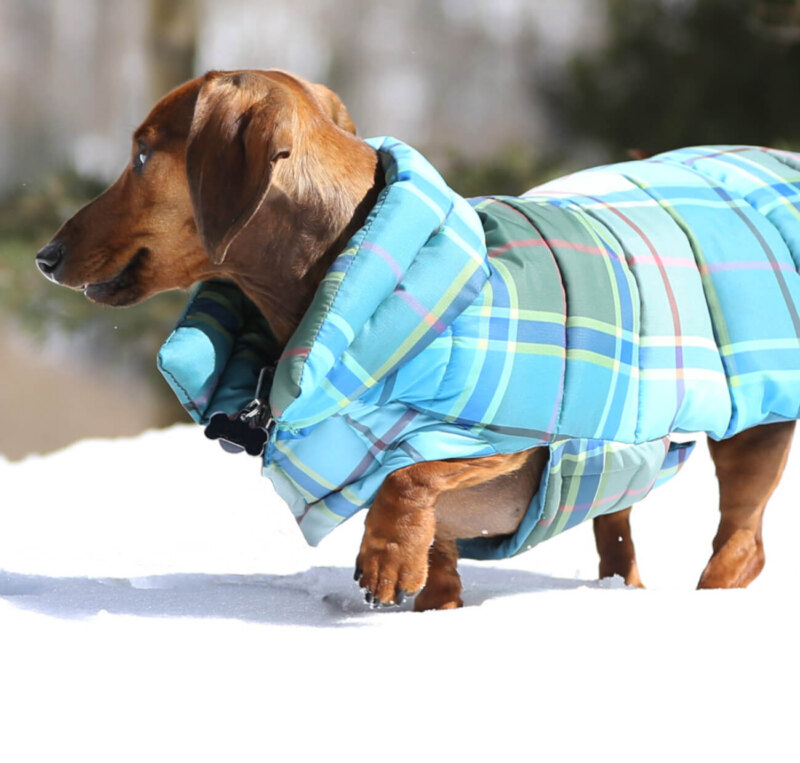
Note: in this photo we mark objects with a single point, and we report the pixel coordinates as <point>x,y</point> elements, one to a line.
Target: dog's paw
<point>434,598</point>
<point>389,571</point>
<point>736,564</point>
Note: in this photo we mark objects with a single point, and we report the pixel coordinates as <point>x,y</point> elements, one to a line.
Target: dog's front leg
<point>401,526</point>
<point>443,587</point>
<point>398,532</point>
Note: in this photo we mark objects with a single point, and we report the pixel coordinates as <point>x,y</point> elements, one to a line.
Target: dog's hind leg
<point>749,466</point>
<point>612,536</point>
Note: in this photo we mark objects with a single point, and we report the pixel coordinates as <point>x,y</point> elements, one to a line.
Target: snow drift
<point>157,602</point>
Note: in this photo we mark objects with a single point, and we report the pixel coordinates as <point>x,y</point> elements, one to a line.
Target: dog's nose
<point>49,258</point>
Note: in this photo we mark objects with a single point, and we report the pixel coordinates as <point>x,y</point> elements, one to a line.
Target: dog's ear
<point>242,125</point>
<point>333,106</point>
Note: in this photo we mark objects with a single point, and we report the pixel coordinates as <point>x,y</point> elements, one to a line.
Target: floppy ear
<point>240,128</point>
<point>332,105</point>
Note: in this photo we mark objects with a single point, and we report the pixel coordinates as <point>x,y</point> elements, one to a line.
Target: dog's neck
<point>306,219</point>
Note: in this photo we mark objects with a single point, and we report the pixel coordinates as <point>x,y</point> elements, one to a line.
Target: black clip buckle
<point>249,429</point>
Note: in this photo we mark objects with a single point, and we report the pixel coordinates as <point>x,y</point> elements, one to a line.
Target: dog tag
<point>249,429</point>
<point>236,435</point>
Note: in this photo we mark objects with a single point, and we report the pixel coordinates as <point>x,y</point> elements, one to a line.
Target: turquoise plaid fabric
<point>595,316</point>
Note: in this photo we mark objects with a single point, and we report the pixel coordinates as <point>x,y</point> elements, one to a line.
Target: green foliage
<point>676,73</point>
<point>36,213</point>
<point>510,172</point>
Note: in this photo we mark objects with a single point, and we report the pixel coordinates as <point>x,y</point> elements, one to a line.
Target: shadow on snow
<point>321,597</point>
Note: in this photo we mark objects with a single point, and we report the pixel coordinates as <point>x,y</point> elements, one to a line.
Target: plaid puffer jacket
<point>596,316</point>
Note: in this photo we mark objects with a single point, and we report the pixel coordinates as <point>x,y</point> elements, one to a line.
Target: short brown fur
<point>257,176</point>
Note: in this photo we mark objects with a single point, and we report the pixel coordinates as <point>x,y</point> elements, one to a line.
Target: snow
<point>158,603</point>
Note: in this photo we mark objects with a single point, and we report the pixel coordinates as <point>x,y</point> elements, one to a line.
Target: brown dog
<point>258,177</point>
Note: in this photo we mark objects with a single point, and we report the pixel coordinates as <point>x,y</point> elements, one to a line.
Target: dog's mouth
<point>124,288</point>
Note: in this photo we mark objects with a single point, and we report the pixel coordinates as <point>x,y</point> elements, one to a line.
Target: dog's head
<point>202,164</point>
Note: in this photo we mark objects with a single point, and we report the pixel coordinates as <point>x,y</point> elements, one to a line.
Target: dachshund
<point>258,177</point>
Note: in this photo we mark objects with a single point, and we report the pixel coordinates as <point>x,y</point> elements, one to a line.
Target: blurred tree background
<point>599,79</point>
<point>682,72</point>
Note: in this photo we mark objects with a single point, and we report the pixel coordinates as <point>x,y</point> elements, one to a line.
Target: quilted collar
<point>418,261</point>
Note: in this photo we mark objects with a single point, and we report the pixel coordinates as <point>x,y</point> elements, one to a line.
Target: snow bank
<point>158,603</point>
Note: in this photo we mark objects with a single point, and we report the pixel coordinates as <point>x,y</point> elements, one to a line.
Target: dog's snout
<point>49,258</point>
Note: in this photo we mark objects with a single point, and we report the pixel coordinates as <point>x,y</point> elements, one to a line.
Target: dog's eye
<point>140,157</point>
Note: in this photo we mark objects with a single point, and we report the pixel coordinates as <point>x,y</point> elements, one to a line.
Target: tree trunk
<point>172,43</point>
